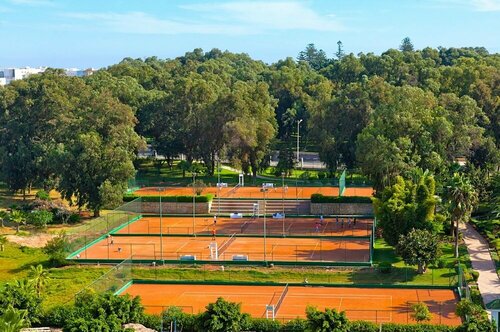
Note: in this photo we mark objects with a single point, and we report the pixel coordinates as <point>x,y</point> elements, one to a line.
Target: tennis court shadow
<point>439,309</point>
<point>333,255</point>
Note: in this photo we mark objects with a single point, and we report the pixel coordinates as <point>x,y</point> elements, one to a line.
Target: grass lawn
<point>7,198</point>
<point>67,281</point>
<point>148,175</point>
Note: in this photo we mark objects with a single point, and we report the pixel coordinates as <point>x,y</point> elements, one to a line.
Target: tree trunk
<point>456,239</point>
<point>421,268</point>
<point>17,227</point>
<point>97,212</point>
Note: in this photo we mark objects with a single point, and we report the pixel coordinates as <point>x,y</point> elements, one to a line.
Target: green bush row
<point>177,199</point>
<point>319,198</point>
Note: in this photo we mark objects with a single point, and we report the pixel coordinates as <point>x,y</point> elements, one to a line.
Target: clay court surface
<point>372,304</point>
<point>254,192</point>
<point>277,249</point>
<point>249,226</point>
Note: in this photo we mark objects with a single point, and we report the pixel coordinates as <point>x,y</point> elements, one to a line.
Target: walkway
<point>477,246</point>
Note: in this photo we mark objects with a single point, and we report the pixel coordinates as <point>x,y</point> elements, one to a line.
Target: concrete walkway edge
<point>478,248</point>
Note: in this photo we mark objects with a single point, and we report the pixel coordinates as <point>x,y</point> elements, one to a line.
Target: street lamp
<point>218,185</point>
<point>283,200</point>
<point>298,139</point>
<point>264,191</point>
<point>161,227</point>
<point>298,161</point>
<point>194,201</point>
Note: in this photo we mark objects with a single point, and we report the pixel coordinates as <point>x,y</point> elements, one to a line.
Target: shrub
<point>392,327</point>
<point>385,267</point>
<point>74,218</point>
<point>420,312</point>
<point>58,316</point>
<point>475,275</point>
<point>265,325</point>
<point>441,263</point>
<point>363,326</point>
<point>475,296</point>
<point>306,175</point>
<point>319,198</point>
<point>56,249</point>
<point>21,295</point>
<point>40,218</point>
<point>184,322</point>
<point>153,322</point>
<point>328,320</point>
<point>295,325</point>
<point>223,316</point>
<point>43,195</point>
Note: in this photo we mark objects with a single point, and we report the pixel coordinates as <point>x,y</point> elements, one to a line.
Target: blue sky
<point>90,33</point>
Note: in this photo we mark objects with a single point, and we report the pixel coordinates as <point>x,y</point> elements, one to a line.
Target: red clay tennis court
<point>254,192</point>
<point>181,248</point>
<point>372,304</point>
<point>289,226</point>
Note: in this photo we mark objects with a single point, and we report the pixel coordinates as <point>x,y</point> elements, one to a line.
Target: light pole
<point>161,227</point>
<point>218,185</point>
<point>298,139</point>
<point>194,202</point>
<point>264,191</point>
<point>298,161</point>
<point>283,200</point>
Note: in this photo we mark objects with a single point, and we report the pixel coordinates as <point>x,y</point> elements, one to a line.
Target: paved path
<point>477,246</point>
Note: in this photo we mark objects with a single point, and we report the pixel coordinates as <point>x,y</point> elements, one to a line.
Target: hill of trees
<point>387,114</point>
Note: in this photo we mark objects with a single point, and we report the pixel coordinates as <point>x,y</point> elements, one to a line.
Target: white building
<point>75,72</point>
<point>8,75</point>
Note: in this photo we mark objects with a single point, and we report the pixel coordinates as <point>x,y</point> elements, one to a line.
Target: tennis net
<point>226,244</point>
<point>280,300</point>
<point>245,226</point>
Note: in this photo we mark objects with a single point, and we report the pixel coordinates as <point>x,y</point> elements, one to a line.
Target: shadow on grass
<point>398,275</point>
<point>27,266</point>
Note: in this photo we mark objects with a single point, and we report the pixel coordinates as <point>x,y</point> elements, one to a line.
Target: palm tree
<point>17,217</point>
<point>461,197</point>
<point>39,277</point>
<point>3,241</point>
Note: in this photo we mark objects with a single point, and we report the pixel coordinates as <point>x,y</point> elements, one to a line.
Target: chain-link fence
<point>80,239</point>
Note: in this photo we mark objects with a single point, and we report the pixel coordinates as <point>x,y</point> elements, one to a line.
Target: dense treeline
<point>387,114</point>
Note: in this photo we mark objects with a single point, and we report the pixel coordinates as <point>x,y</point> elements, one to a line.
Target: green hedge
<point>177,199</point>
<point>319,198</point>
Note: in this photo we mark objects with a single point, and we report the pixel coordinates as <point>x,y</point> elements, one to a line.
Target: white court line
<point>314,249</point>
<point>185,244</point>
